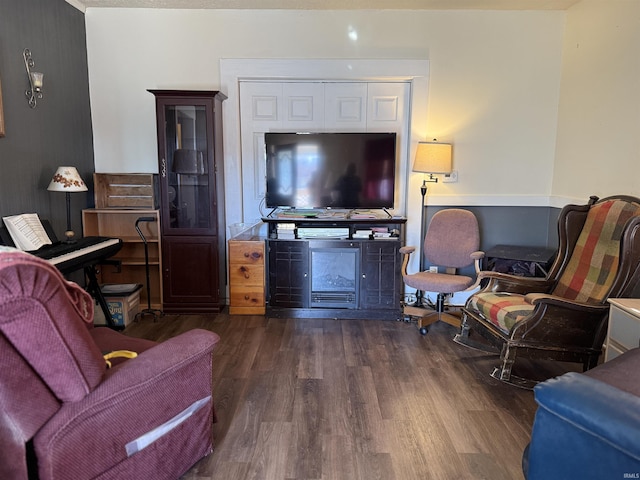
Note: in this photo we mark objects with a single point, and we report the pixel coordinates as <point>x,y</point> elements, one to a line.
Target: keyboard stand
<point>93,287</point>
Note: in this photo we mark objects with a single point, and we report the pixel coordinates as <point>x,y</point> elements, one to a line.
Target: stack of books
<point>286,231</point>
<point>362,234</point>
<point>381,232</point>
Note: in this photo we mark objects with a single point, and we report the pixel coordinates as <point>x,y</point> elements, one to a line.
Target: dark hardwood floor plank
<point>271,345</point>
<point>320,399</point>
<point>336,409</point>
<point>338,458</point>
<point>240,440</point>
<point>374,466</point>
<point>305,447</point>
<point>241,362</point>
<point>270,457</point>
<point>366,424</point>
<point>355,346</point>
<point>309,346</point>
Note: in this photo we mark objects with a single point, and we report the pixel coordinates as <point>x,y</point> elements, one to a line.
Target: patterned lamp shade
<point>67,179</point>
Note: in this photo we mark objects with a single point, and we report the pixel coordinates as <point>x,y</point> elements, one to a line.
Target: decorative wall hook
<point>35,79</point>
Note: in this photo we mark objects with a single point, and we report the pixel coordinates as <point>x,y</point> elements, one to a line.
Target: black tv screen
<point>330,170</point>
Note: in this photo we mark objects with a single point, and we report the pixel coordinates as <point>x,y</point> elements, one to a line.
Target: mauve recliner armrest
<point>134,398</point>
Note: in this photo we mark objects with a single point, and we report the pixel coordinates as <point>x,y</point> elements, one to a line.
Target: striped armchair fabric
<point>563,316</point>
<point>588,276</point>
<point>594,263</point>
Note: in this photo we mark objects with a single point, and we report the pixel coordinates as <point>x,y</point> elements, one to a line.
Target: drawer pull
<point>245,272</point>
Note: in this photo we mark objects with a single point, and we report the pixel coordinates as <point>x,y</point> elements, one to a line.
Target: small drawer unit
<point>246,277</point>
<point>624,327</point>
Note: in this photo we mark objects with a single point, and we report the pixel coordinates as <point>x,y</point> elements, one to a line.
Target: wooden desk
<point>520,260</point>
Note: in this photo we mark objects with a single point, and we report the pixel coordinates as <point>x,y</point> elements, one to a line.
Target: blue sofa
<point>587,425</point>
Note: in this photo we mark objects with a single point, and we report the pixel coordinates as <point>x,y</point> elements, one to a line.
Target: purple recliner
<point>64,415</point>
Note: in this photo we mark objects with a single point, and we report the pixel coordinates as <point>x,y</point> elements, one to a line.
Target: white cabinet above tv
<point>317,106</point>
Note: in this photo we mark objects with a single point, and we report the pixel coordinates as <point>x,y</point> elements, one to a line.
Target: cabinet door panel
<point>186,168</point>
<point>288,274</point>
<point>346,106</point>
<point>190,266</point>
<point>381,278</point>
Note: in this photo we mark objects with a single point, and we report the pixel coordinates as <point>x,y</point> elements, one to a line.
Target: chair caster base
<point>423,330</point>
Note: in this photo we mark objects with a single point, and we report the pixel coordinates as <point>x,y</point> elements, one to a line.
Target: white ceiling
<point>336,4</point>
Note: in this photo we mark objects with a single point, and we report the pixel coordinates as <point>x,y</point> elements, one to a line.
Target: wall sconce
<point>35,79</point>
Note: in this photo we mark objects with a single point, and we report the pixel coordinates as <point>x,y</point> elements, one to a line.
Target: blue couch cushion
<point>584,428</point>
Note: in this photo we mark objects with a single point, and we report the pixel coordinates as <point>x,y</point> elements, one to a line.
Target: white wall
<point>599,113</point>
<point>493,87</point>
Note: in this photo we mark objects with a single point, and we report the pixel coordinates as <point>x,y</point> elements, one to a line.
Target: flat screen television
<point>330,170</point>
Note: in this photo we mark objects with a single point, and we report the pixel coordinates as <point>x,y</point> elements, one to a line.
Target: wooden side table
<point>246,277</point>
<point>623,332</point>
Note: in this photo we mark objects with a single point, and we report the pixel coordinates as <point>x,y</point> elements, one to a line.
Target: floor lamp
<point>431,158</point>
<point>67,180</point>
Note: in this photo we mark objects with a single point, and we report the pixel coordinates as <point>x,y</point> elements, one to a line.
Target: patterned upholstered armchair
<point>563,316</point>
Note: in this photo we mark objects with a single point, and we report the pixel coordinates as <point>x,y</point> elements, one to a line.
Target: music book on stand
<point>27,232</point>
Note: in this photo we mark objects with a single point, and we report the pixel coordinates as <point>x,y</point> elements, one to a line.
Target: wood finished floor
<point>355,399</point>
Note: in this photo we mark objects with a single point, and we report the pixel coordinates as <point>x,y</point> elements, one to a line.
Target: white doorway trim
<point>232,71</point>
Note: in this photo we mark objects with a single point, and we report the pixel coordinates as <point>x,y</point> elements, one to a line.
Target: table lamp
<point>67,180</point>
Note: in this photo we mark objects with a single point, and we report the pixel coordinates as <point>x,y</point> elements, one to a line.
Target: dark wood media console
<point>325,268</point>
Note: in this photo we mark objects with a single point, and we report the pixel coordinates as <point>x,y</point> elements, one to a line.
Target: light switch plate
<point>450,177</point>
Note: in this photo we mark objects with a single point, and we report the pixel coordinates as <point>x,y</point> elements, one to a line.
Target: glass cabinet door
<point>186,168</point>
<point>191,174</point>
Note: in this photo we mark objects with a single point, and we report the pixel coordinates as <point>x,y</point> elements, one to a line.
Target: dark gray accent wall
<point>58,131</point>
<point>525,226</point>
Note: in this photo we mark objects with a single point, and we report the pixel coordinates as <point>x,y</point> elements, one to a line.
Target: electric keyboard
<point>68,257</point>
<point>84,254</point>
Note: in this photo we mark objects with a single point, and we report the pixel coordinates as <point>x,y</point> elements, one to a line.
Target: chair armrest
<point>503,282</point>
<point>134,398</point>
<point>407,250</point>
<point>558,321</point>
<point>584,428</point>
<point>479,255</point>
<point>537,298</point>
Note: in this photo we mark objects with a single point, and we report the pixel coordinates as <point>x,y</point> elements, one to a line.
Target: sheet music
<point>26,231</point>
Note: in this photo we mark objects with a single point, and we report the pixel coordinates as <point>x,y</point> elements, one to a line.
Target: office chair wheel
<point>423,330</point>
